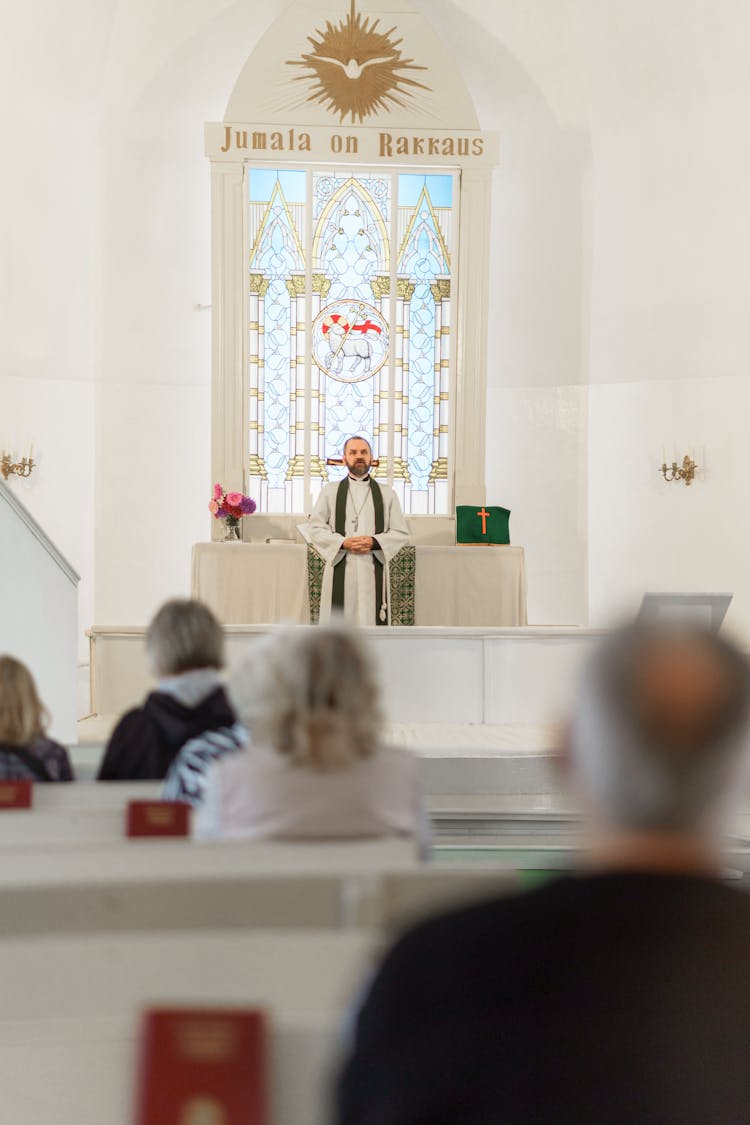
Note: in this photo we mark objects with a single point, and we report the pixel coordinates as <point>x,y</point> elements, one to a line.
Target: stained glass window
<point>349,330</point>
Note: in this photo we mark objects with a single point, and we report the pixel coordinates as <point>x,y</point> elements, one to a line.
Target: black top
<point>599,999</point>
<point>43,760</point>
<point>145,740</point>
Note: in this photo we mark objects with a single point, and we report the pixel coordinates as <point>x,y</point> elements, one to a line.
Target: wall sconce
<point>20,468</point>
<point>674,472</point>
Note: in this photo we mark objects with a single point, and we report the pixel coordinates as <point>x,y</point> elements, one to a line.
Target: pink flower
<point>234,498</point>
<point>213,507</point>
<point>218,492</point>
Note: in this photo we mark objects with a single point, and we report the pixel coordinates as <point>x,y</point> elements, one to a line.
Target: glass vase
<point>232,530</point>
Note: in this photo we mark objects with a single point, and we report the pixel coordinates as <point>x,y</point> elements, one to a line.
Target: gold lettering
<point>277,141</point>
<point>418,143</point>
<point>386,144</point>
<point>434,146</point>
<point>463,146</point>
<point>241,138</point>
<point>260,140</point>
<point>477,146</point>
<point>352,144</point>
<point>402,146</point>
<point>227,139</point>
<point>448,146</point>
<point>337,143</point>
<point>304,142</point>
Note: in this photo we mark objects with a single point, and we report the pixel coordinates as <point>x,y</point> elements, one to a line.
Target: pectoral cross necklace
<point>358,510</point>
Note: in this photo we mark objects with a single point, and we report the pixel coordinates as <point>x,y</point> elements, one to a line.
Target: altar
<point>264,583</point>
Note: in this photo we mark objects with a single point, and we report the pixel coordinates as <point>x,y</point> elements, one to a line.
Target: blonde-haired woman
<point>314,765</point>
<point>25,751</point>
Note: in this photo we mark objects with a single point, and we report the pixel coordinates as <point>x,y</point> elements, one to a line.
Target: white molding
<point>514,632</point>
<point>470,390</point>
<point>38,532</point>
<point>469,386</point>
<point>227,320</point>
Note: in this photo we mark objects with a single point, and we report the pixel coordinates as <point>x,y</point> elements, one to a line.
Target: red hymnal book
<point>203,1065</point>
<point>158,818</point>
<point>15,794</point>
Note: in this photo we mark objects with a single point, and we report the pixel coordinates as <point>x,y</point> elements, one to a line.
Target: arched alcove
<point>337,102</point>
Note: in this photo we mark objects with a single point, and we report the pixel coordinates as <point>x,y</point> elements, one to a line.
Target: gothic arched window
<point>349,329</point>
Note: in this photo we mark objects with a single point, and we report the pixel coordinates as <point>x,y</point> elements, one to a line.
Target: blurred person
<point>619,994</point>
<point>25,751</point>
<point>185,649</point>
<point>315,765</point>
<point>186,777</point>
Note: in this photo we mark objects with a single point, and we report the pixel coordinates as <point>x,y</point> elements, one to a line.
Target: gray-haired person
<point>185,648</point>
<point>315,764</point>
<point>619,994</point>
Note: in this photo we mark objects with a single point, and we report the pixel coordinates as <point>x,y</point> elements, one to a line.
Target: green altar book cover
<point>476,523</point>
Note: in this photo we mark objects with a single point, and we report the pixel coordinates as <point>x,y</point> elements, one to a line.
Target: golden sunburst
<point>356,70</point>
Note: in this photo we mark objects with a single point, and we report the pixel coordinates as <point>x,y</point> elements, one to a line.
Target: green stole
<point>337,597</point>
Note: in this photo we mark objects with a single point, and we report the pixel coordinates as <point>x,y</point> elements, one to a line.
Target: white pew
<point>150,861</point>
<point>76,891</point>
<point>90,1066</point>
<point>73,814</point>
<point>71,1014</point>
<point>94,794</point>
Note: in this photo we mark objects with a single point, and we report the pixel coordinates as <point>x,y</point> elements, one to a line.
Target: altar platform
<point>479,706</point>
<point>435,675</point>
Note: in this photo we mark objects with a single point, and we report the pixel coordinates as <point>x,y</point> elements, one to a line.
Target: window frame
<point>229,308</point>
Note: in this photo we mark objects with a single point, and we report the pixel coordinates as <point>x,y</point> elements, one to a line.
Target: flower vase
<point>232,530</point>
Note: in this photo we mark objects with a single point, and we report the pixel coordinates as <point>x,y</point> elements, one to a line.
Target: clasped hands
<point>359,544</point>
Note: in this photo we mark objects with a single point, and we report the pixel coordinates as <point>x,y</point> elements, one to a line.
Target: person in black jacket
<point>25,751</point>
<point>620,994</point>
<point>185,647</point>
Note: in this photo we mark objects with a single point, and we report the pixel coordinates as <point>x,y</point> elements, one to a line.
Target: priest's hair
<point>659,737</point>
<point>310,693</point>
<point>184,636</point>
<point>357,437</point>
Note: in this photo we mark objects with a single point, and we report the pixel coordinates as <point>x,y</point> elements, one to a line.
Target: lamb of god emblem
<point>349,340</point>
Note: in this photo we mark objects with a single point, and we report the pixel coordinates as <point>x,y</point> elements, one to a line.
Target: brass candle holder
<point>675,472</point>
<point>20,468</point>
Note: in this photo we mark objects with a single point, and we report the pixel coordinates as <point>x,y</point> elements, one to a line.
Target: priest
<point>357,527</point>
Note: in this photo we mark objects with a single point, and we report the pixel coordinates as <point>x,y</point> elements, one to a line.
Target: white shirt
<point>258,794</point>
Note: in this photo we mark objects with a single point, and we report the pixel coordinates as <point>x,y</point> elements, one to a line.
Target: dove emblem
<point>353,69</point>
<point>356,70</point>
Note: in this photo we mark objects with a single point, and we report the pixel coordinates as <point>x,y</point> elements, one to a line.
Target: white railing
<point>39,610</point>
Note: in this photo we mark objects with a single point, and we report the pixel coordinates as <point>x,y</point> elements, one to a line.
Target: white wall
<point>523,64</point>
<point>670,345</point>
<point>653,535</point>
<point>51,63</point>
<point>619,257</point>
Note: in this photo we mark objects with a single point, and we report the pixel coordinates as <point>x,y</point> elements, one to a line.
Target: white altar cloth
<point>264,583</point>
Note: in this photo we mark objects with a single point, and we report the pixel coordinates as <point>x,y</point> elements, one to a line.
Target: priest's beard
<point>359,469</point>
